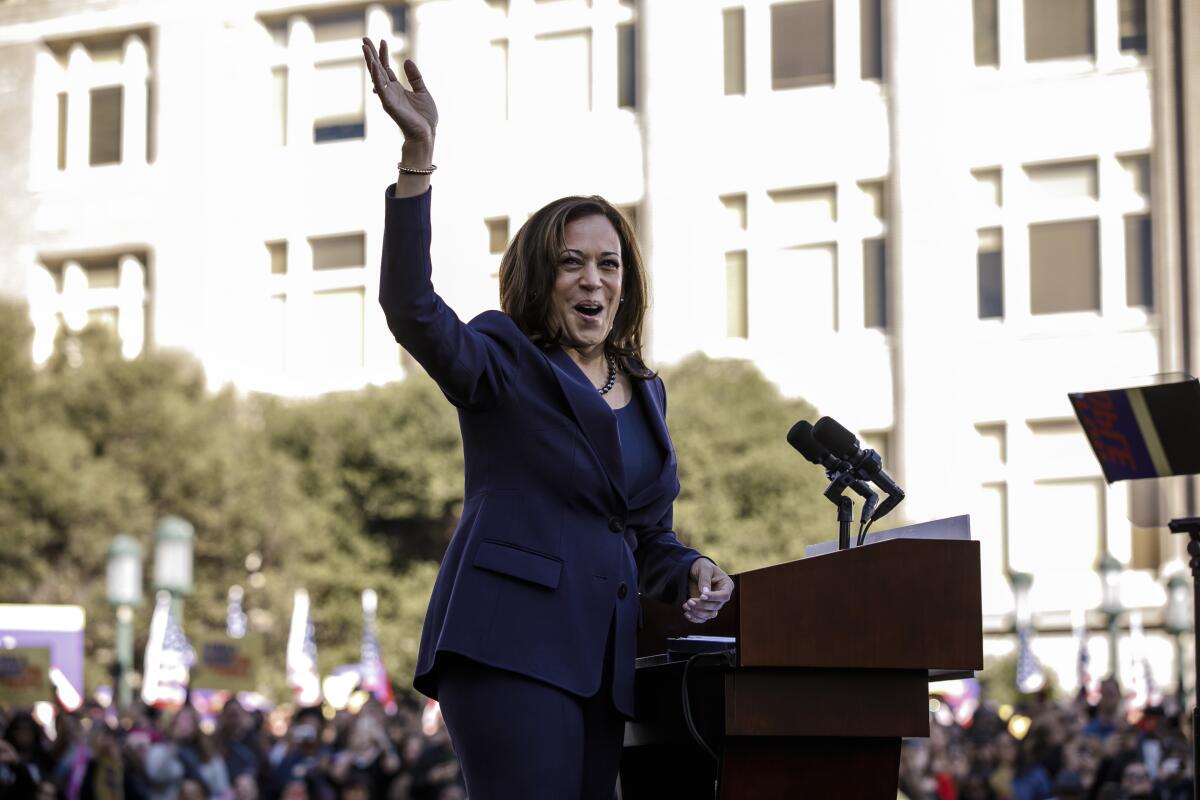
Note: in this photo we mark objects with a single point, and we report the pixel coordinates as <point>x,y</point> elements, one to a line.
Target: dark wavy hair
<point>529,268</point>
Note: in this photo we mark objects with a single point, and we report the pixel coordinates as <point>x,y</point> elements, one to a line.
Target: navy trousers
<point>518,738</point>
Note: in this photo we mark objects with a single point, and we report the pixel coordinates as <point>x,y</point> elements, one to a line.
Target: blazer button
<point>615,524</point>
<point>622,590</point>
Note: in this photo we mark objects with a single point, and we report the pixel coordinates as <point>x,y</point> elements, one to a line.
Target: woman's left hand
<point>709,588</point>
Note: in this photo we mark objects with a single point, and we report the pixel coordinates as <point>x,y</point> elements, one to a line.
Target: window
<point>1069,180</point>
<point>987,39</point>
<point>801,44</point>
<point>338,101</point>
<point>1132,24</point>
<point>278,255</point>
<point>627,66</point>
<point>279,77</point>
<point>736,291</point>
<point>498,74</point>
<point>62,130</point>
<point>108,77</point>
<point>104,140</point>
<point>399,15</point>
<point>734,27</point>
<point>1064,266</point>
<point>1139,261</point>
<point>871,39</point>
<point>564,63</point>
<point>808,277</point>
<point>338,26</point>
<point>735,211</point>
<point>1056,29</point>
<point>989,261</point>
<point>338,252</point>
<point>875,284</point>
<point>1067,525</point>
<point>497,229</point>
<point>988,192</point>
<point>802,213</point>
<point>992,443</point>
<point>106,289</point>
<point>337,328</point>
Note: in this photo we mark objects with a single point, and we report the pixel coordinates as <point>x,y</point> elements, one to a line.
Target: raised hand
<point>414,111</point>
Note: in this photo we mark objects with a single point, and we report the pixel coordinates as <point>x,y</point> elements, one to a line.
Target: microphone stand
<point>836,494</point>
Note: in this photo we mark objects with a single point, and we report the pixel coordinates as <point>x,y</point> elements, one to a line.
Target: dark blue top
<point>640,451</point>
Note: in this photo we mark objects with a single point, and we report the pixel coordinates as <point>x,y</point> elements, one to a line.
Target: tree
<point>747,499</point>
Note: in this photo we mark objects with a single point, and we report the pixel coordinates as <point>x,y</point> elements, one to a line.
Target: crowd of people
<point>1072,750</point>
<point>238,754</point>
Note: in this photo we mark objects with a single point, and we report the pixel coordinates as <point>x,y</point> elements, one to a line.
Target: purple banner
<point>1112,430</point>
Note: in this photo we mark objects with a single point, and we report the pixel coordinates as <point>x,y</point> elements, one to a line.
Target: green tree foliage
<point>336,494</point>
<point>747,499</point>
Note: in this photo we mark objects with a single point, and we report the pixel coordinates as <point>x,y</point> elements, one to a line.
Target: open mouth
<point>589,309</point>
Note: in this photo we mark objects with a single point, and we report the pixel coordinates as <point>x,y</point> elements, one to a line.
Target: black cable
<point>862,533</point>
<point>687,715</point>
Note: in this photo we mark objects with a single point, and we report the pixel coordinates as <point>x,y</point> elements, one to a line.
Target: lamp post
<point>124,584</point>
<point>1176,623</point>
<point>1110,604</point>
<point>173,539</point>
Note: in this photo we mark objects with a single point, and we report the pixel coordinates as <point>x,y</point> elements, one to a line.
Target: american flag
<point>1083,660</point>
<point>302,653</point>
<point>1029,672</point>
<point>1145,690</point>
<point>169,658</point>
<point>374,676</point>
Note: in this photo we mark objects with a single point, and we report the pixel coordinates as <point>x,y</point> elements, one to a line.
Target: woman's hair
<point>530,266</point>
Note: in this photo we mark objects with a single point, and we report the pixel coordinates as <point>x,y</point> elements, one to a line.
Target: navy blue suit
<point>549,551</point>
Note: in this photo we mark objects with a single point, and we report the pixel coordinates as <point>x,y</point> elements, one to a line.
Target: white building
<point>930,219</point>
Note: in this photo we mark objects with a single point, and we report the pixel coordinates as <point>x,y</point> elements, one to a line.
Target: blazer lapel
<point>658,423</point>
<point>597,420</point>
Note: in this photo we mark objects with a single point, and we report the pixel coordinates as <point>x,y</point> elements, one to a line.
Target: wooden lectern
<point>834,656</point>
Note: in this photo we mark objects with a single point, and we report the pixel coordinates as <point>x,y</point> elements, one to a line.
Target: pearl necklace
<point>612,376</point>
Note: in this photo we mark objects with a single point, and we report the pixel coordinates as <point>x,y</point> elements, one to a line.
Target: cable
<point>862,533</point>
<point>687,714</point>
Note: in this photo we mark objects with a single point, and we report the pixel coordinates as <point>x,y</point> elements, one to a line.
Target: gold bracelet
<point>413,171</point>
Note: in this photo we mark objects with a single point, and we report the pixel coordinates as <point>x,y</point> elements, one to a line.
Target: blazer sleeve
<point>473,364</point>
<point>663,561</point>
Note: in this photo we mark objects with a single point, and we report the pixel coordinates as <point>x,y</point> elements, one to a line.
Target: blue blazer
<point>549,547</point>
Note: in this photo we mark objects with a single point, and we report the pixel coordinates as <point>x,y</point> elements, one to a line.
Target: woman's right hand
<point>414,111</point>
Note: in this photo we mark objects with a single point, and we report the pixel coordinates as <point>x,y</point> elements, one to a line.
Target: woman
<point>529,640</point>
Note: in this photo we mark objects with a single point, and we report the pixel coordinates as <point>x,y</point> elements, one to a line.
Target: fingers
<point>373,68</point>
<point>385,60</point>
<point>414,76</point>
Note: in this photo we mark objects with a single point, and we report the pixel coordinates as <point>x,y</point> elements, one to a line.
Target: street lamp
<point>124,579</point>
<point>1177,623</point>
<point>1022,614</point>
<point>1110,604</point>
<point>173,559</point>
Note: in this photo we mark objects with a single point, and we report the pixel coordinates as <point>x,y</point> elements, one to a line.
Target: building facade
<point>931,220</point>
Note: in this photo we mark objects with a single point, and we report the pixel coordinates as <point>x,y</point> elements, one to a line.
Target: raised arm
<point>472,366</point>
<point>413,110</point>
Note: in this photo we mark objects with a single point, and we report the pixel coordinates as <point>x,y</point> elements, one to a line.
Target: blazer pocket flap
<point>523,564</point>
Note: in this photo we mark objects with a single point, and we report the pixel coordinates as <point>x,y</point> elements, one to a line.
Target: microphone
<point>865,462</point>
<point>801,438</point>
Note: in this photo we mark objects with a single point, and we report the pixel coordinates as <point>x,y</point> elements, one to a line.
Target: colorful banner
<point>25,676</point>
<point>1145,431</point>
<point>227,664</point>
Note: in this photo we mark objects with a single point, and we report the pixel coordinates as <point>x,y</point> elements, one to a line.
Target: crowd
<point>238,755</point>
<point>1066,751</point>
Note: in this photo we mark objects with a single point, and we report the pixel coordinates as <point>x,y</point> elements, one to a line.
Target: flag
<point>1145,690</point>
<point>374,676</point>
<point>1029,672</point>
<point>1083,659</point>
<point>235,617</point>
<point>302,653</point>
<point>168,659</point>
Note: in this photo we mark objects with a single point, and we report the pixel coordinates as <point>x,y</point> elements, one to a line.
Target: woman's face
<point>587,286</point>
